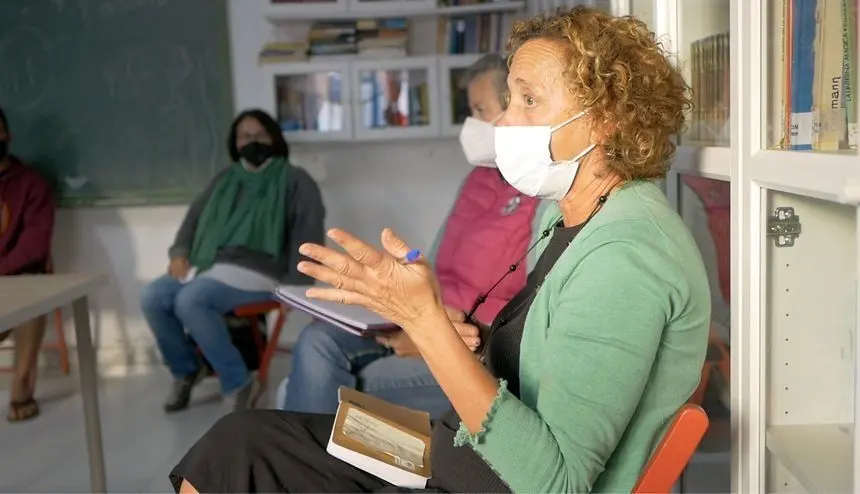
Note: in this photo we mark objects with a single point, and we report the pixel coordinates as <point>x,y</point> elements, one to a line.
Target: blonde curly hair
<point>621,73</point>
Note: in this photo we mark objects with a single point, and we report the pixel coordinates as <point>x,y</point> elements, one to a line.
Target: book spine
<point>787,72</point>
<point>829,99</point>
<point>849,68</point>
<point>802,80</point>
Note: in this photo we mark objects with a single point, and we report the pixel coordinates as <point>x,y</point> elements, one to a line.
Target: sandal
<point>20,411</point>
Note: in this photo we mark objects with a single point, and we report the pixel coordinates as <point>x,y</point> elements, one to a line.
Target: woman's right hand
<point>178,268</point>
<point>469,332</point>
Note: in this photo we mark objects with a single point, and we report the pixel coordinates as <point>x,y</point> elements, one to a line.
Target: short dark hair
<point>281,148</point>
<point>4,120</point>
<point>496,65</point>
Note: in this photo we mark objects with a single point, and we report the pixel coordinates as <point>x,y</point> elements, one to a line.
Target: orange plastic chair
<point>59,343</point>
<point>674,452</point>
<point>253,312</point>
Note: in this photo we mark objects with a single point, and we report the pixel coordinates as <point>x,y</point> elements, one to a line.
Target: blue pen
<point>412,256</point>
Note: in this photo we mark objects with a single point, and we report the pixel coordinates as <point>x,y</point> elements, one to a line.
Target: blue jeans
<point>325,358</point>
<point>172,308</point>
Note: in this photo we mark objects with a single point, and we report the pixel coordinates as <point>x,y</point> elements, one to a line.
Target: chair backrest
<point>674,451</point>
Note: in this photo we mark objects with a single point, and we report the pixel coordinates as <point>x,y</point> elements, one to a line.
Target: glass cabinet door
<point>811,69</point>
<point>453,94</point>
<point>311,100</point>
<point>809,355</point>
<point>703,50</point>
<point>396,99</point>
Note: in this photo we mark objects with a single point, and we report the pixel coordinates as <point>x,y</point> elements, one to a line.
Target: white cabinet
<point>452,91</point>
<point>299,11</point>
<point>406,6</point>
<point>795,218</point>
<point>311,101</point>
<point>395,98</point>
<point>790,297</point>
<point>273,9</point>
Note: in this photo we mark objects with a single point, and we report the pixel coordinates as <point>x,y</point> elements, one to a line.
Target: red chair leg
<point>272,345</point>
<point>62,348</point>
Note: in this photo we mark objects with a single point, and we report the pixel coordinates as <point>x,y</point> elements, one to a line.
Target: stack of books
<point>710,83</point>
<point>382,38</point>
<point>333,38</point>
<point>279,52</point>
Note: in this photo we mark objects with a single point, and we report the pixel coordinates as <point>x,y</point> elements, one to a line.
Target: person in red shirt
<point>26,226</point>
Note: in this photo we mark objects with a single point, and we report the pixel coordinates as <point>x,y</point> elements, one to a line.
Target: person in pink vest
<point>490,228</point>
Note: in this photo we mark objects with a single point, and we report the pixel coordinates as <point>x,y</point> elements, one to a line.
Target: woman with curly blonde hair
<point>583,370</point>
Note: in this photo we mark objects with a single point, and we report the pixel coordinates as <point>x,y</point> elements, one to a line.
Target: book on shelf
<point>355,320</point>
<point>288,51</point>
<point>816,73</point>
<point>310,101</point>
<point>388,441</point>
<point>709,70</point>
<point>394,98</point>
<point>479,33</point>
<point>362,38</point>
<point>333,38</point>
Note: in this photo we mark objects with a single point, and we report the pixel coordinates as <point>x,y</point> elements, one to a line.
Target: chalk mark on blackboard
<point>112,8</point>
<point>76,182</point>
<point>214,150</point>
<point>25,80</point>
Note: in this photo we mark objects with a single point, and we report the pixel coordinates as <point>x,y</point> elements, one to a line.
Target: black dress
<point>275,451</point>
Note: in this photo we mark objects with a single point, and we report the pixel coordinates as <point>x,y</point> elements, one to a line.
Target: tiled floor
<point>142,443</point>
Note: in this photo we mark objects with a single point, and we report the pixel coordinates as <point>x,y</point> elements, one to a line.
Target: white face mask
<point>476,138</point>
<point>523,158</point>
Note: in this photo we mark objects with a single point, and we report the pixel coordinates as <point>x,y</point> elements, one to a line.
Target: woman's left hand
<point>400,292</point>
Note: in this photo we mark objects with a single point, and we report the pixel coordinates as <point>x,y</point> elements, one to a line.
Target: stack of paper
<point>385,440</point>
<point>355,320</point>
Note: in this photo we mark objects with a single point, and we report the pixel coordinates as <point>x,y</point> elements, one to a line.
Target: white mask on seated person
<point>523,157</point>
<point>477,139</point>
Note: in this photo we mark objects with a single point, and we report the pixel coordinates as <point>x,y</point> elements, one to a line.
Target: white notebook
<point>355,320</point>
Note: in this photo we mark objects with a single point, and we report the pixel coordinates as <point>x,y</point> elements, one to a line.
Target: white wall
<point>406,185</point>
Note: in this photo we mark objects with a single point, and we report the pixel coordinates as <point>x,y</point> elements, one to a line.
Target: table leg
<point>89,393</point>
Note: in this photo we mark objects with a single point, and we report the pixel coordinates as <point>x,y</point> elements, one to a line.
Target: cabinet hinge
<point>783,227</point>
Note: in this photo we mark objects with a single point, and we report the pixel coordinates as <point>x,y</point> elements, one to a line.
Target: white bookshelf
<point>795,395</point>
<point>345,10</point>
<point>794,310</point>
<point>423,66</point>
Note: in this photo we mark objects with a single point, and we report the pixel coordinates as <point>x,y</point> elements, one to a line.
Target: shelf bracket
<point>783,226</point>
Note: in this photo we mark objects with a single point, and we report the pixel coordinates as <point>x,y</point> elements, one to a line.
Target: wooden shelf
<point>283,14</point>
<point>818,456</point>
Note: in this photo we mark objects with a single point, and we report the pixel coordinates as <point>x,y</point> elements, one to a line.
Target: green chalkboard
<point>118,102</point>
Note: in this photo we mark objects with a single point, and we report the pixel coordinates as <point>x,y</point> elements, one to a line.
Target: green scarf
<point>246,208</point>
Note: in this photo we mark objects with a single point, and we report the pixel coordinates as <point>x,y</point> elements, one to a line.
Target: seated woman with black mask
<point>239,239</point>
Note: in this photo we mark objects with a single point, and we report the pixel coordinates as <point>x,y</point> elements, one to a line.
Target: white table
<point>23,298</point>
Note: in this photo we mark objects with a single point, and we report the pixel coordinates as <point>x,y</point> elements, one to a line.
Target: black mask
<point>4,149</point>
<point>256,153</point>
